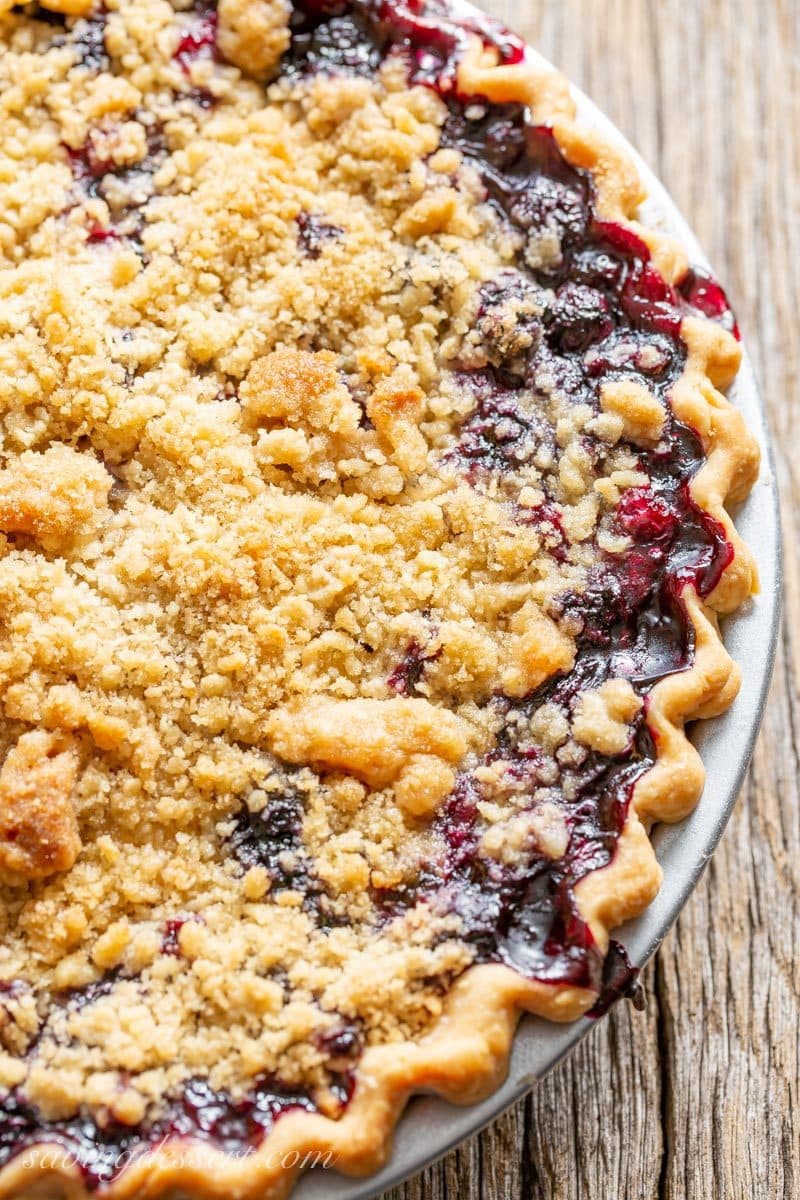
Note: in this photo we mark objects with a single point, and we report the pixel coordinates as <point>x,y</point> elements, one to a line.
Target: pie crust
<point>463,1055</point>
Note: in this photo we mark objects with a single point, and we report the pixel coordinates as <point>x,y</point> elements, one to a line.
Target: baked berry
<point>313,233</point>
<point>88,40</point>
<point>410,671</point>
<point>579,317</point>
<point>198,37</point>
<point>337,45</point>
<point>647,517</point>
<point>702,294</point>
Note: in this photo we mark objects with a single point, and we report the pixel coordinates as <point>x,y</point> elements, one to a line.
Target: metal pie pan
<point>430,1127</point>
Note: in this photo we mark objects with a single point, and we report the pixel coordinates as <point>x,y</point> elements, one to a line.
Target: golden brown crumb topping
<point>38,834</point>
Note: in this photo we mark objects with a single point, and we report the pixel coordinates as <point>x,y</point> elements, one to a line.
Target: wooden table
<point>697,1098</point>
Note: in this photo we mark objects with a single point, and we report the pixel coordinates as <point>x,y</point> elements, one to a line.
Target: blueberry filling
<point>171,941</point>
<point>526,915</point>
<point>100,1148</point>
<point>128,188</point>
<point>342,1043</point>
<point>85,35</point>
<point>503,431</point>
<point>633,626</point>
<point>100,1151</point>
<point>77,998</point>
<point>313,234</point>
<point>355,37</point>
<point>620,982</point>
<point>703,295</point>
<point>331,40</point>
<point>546,518</point>
<point>88,40</point>
<point>410,671</point>
<point>38,13</point>
<point>198,37</point>
<point>273,839</point>
<point>125,189</point>
<point>632,607</point>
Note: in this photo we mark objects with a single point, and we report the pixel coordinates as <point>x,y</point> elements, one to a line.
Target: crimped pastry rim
<point>455,1061</point>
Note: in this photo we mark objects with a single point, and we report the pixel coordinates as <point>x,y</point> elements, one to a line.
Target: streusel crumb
<point>38,832</point>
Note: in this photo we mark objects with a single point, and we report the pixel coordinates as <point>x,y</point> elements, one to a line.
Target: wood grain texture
<point>698,1098</point>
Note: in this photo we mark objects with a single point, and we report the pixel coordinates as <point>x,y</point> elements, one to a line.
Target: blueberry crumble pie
<point>362,543</point>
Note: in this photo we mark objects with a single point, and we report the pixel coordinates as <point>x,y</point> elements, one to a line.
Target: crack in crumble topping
<point>344,521</point>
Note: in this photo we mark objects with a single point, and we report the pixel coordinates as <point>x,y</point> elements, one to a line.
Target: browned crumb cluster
<point>226,513</point>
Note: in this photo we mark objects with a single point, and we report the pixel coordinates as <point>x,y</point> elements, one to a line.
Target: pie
<point>362,497</point>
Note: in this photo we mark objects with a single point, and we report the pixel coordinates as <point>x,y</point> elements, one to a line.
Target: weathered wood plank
<point>699,1097</point>
<point>730,980</point>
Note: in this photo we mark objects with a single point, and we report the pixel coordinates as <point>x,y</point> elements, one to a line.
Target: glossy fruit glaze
<point>199,1113</point>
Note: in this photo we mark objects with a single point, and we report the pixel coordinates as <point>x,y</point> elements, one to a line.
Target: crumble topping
<point>602,717</point>
<point>340,500</point>
<point>253,34</point>
<point>38,833</point>
<point>55,496</point>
